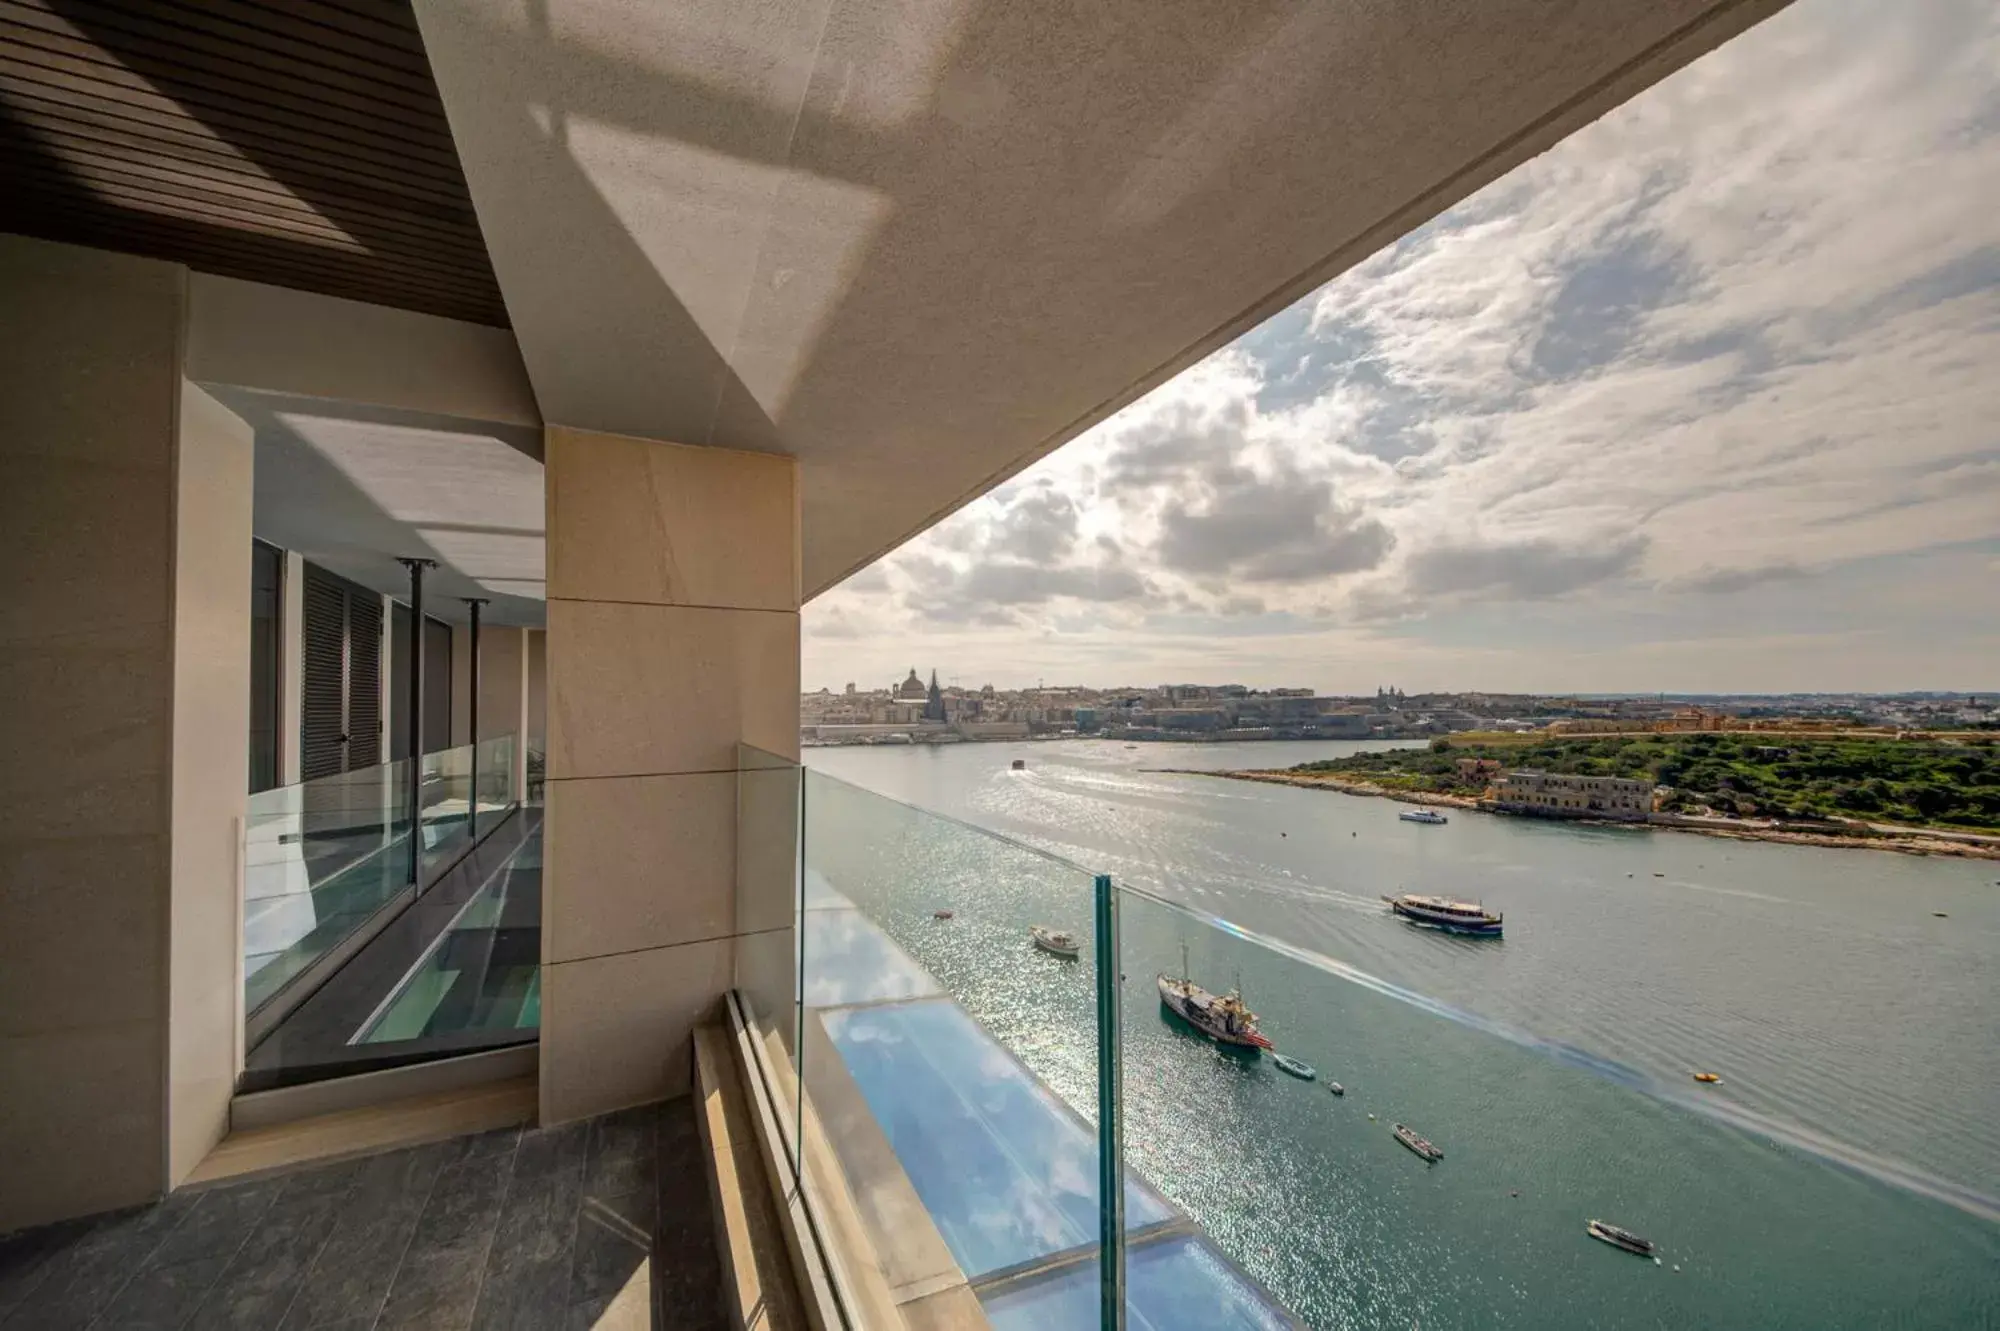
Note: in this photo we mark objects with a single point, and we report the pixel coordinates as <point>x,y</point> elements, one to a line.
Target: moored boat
<point>1410,1139</point>
<point>1054,941</point>
<point>1223,1018</point>
<point>1459,917</point>
<point>1623,1239</point>
<point>1286,1063</point>
<point>1431,816</point>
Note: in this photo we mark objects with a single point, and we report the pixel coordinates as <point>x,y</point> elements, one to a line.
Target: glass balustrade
<point>319,858</point>
<point>940,1073</point>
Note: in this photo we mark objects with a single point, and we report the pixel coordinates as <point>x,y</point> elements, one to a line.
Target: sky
<point>1704,399</point>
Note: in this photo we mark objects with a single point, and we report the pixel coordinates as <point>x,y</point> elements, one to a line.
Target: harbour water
<point>1845,1172</point>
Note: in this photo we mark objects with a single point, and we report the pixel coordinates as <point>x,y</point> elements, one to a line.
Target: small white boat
<point>1620,1238</point>
<point>1409,1138</point>
<point>1336,1088</point>
<point>1286,1063</point>
<point>1055,941</point>
<point>1431,816</point>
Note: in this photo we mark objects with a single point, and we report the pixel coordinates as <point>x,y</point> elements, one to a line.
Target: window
<point>267,628</point>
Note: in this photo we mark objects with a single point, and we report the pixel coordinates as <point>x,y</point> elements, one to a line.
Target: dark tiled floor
<point>603,1224</point>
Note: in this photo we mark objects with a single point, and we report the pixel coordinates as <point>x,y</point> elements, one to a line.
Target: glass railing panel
<point>535,768</point>
<point>949,1059</point>
<point>1309,1194</point>
<point>493,775</point>
<point>766,917</point>
<point>325,856</point>
<point>444,798</point>
<point>319,858</point>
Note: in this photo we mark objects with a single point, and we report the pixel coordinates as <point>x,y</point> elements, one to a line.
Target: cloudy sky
<point>1707,398</point>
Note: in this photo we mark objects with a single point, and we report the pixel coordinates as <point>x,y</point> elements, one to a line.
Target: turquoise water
<point>1551,1066</point>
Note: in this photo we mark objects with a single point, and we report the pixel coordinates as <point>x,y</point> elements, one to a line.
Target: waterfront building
<point>1526,790</point>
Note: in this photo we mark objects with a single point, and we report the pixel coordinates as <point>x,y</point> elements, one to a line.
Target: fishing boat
<point>1423,1148</point>
<point>1054,941</point>
<point>1431,816</point>
<point>1336,1088</point>
<point>1286,1063</point>
<point>941,914</point>
<point>1223,1018</point>
<point>1458,917</point>
<point>1620,1238</point>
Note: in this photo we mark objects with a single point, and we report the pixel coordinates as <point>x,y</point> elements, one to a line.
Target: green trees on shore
<point>1920,782</point>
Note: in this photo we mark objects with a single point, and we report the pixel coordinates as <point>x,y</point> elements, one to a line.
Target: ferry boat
<point>1620,1238</point>
<point>1221,1017</point>
<point>1431,816</point>
<point>1054,940</point>
<point>1423,1148</point>
<point>1459,917</point>
<point>1286,1063</point>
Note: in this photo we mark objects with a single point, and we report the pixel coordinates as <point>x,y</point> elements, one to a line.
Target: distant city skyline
<point>1700,401</point>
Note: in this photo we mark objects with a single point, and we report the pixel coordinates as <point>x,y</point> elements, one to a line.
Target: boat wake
<point>1899,1174</point>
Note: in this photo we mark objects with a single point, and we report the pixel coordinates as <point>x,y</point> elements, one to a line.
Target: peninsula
<point>1917,794</point>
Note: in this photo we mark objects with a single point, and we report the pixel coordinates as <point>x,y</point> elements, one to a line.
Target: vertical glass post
<point>416,694</point>
<point>472,604</point>
<point>1110,1122</point>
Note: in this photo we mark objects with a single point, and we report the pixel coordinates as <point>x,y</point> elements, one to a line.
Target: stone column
<point>673,636</point>
<point>124,696</point>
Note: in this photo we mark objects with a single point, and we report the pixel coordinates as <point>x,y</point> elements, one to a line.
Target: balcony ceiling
<point>919,243</point>
<point>293,142</point>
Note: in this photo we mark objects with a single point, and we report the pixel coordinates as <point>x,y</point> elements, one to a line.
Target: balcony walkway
<point>603,1224</point>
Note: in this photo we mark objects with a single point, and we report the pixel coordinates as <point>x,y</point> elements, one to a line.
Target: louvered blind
<point>323,700</point>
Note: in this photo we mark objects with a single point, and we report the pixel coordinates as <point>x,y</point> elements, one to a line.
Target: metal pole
<point>472,604</point>
<point>415,804</point>
<point>1110,1115</point>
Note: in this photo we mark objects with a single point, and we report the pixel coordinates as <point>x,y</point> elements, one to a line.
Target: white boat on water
<point>1224,1018</point>
<point>1054,941</point>
<point>1431,816</point>
<point>1452,916</point>
<point>1286,1063</point>
<point>1409,1138</point>
<point>1620,1238</point>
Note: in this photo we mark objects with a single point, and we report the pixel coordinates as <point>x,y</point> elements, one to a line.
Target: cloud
<point>1028,584</point>
<point>1277,528</point>
<point>1736,333</point>
<point>1527,570</point>
<point>1039,527</point>
<point>1723,581</point>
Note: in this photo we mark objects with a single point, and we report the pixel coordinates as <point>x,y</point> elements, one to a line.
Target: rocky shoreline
<point>1911,842</point>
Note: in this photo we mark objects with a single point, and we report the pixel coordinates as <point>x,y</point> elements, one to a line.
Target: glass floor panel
<point>1006,1170</point>
<point>483,973</point>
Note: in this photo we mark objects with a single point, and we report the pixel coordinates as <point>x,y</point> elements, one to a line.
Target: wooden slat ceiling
<point>295,142</point>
